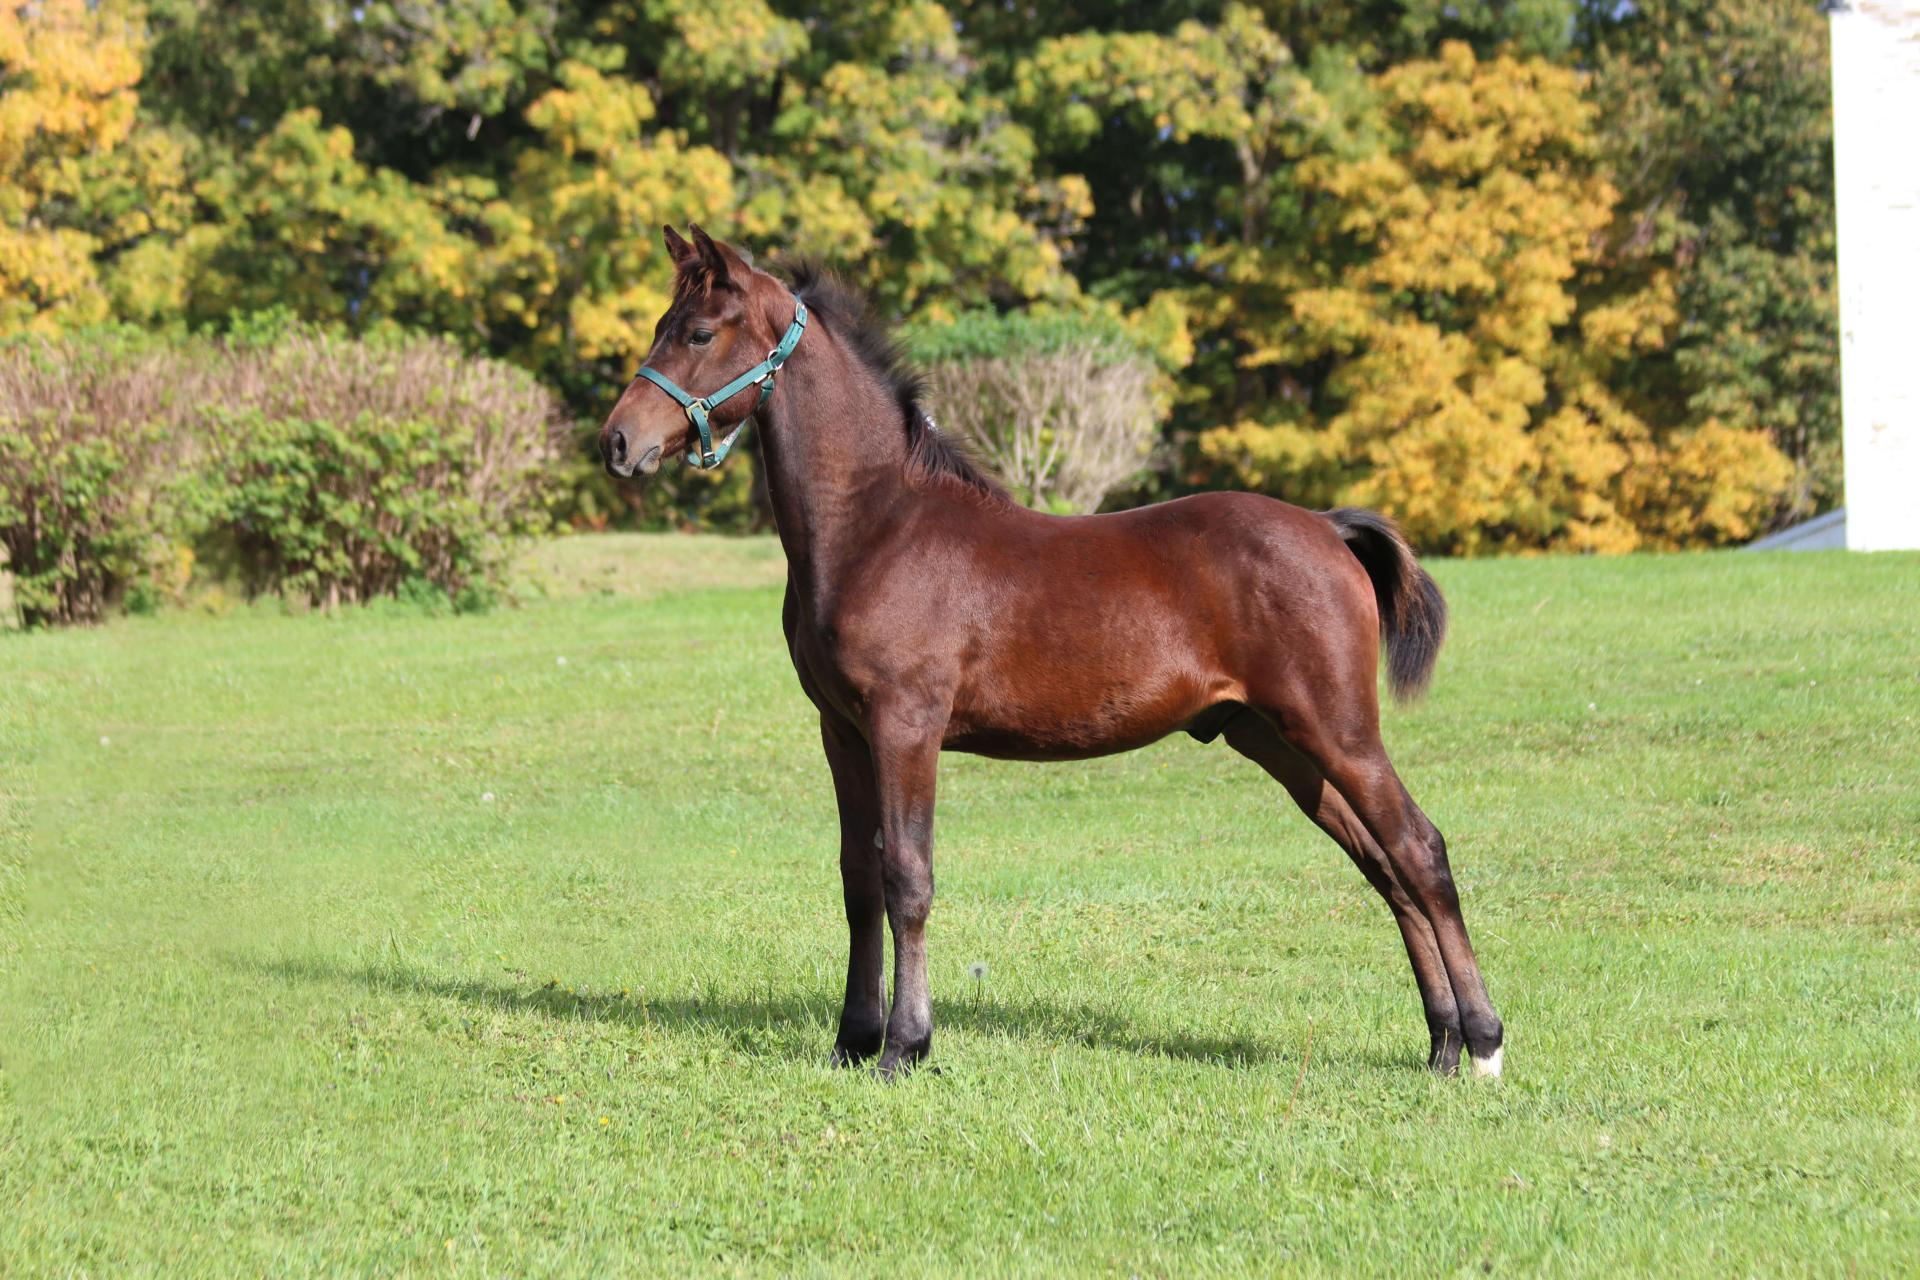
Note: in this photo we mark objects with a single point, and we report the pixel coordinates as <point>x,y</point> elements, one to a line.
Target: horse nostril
<point>617,445</point>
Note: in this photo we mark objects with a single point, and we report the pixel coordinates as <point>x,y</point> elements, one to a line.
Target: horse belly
<point>1077,716</point>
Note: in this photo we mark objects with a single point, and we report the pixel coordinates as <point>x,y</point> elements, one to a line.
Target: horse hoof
<point>847,1056</point>
<point>1443,1058</point>
<point>1489,1066</point>
<point>895,1065</point>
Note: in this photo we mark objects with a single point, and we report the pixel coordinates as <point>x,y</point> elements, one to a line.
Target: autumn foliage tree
<point>1406,301</point>
<point>66,104</point>
<point>1462,360</point>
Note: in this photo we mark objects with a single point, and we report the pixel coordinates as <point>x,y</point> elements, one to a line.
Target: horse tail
<point>1413,615</point>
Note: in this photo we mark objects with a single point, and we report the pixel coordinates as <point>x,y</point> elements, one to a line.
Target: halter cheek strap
<point>697,409</point>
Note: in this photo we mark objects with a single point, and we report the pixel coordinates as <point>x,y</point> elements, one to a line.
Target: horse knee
<point>909,887</point>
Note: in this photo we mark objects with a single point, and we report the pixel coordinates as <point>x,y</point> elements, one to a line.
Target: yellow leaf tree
<point>1452,299</point>
<point>1402,299</point>
<point>67,71</point>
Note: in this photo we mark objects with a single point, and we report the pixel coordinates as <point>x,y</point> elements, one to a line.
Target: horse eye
<point>701,337</point>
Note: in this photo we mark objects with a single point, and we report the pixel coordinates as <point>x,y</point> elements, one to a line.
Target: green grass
<point>287,992</point>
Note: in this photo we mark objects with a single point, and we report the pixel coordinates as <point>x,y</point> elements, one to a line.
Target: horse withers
<point>926,611</point>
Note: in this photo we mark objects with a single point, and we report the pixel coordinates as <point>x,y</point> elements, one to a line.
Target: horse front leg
<point>906,764</point>
<point>863,1015</point>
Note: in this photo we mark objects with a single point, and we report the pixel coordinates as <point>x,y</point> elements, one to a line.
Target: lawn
<point>511,944</point>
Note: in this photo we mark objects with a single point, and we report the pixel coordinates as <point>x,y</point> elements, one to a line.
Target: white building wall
<point>1876,135</point>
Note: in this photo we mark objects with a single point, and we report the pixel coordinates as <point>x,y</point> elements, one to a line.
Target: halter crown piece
<point>698,408</point>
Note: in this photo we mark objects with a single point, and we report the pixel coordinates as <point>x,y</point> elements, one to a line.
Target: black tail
<point>1413,616</point>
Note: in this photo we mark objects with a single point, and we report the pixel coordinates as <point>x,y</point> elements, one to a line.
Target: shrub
<point>342,471</point>
<point>303,463</point>
<point>992,335</point>
<point>1064,407</point>
<point>86,446</point>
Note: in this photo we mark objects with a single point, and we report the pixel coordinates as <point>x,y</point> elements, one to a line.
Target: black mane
<point>930,451</point>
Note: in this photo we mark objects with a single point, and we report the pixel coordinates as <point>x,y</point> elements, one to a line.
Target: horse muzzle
<point>625,458</point>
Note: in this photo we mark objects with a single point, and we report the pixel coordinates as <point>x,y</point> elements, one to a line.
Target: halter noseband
<point>697,409</point>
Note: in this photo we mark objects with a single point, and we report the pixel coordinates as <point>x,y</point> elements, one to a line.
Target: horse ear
<point>712,256</point>
<point>677,247</point>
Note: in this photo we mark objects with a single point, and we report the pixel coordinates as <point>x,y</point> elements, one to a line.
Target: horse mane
<point>931,453</point>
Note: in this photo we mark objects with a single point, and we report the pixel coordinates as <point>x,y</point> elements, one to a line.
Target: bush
<point>87,443</point>
<point>304,463</point>
<point>992,335</point>
<point>343,471</point>
<point>1063,406</point>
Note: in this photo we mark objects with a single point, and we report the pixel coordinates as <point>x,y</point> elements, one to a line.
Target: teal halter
<point>697,409</point>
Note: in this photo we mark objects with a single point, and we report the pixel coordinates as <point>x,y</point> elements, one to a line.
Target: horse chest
<point>840,668</point>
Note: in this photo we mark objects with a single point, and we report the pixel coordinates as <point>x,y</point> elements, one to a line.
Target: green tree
<point>1718,121</point>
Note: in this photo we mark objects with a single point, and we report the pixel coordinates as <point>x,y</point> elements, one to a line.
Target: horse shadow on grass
<point>798,1025</point>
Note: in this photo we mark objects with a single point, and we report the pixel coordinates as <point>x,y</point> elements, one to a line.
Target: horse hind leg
<point>1252,736</point>
<point>1365,778</point>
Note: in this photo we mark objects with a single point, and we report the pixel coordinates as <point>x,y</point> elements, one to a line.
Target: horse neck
<point>835,454</point>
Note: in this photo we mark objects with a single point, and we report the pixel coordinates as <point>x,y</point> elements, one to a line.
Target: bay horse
<point>927,611</point>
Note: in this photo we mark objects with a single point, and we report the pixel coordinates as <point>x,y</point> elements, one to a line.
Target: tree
<point>1394,301</point>
<point>516,127</point>
<point>67,72</point>
<point>1718,121</point>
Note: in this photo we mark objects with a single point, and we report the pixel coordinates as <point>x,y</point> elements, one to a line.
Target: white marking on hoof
<point>1490,1065</point>
<point>879,841</point>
